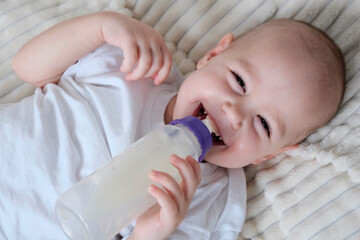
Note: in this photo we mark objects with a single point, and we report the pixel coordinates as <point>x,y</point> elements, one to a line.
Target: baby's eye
<point>265,125</point>
<point>240,81</point>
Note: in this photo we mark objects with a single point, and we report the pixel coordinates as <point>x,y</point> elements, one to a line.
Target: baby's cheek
<point>248,150</point>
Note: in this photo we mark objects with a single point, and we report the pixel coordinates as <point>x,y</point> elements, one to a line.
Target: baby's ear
<point>265,158</point>
<point>221,46</point>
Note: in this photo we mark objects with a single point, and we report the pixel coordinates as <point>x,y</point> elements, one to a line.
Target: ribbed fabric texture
<point>309,193</point>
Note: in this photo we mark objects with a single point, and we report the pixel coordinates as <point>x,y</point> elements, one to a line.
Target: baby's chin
<point>222,156</point>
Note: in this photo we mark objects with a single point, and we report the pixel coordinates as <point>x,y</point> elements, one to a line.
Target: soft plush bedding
<point>309,193</point>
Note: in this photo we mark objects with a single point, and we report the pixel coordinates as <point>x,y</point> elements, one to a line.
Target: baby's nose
<point>233,114</point>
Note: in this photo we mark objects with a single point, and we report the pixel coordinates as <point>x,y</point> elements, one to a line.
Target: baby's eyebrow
<point>248,69</point>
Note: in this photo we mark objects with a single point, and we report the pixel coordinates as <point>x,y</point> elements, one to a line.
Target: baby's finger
<point>157,60</point>
<point>164,71</point>
<point>170,185</point>
<point>166,203</point>
<point>130,57</point>
<point>189,178</point>
<point>144,63</point>
<point>196,167</point>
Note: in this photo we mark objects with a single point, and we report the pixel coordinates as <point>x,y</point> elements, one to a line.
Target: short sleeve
<point>103,60</point>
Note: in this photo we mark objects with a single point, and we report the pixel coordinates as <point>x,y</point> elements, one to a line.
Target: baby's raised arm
<point>45,58</point>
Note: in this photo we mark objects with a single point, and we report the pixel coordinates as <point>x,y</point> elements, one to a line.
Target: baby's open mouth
<point>202,115</point>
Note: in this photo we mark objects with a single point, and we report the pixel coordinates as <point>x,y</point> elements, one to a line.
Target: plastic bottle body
<point>100,205</point>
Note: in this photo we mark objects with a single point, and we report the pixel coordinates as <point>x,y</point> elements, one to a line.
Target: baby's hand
<point>172,203</point>
<point>145,51</point>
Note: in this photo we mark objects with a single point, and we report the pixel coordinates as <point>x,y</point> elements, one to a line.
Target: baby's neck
<point>168,115</point>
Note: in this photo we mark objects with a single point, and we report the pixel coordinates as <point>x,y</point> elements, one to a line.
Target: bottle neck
<point>199,130</point>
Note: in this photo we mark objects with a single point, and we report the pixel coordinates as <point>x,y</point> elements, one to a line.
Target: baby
<point>264,92</point>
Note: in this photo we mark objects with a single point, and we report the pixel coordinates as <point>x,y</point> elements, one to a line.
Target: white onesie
<point>62,133</point>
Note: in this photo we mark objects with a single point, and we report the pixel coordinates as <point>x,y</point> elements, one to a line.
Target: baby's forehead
<point>293,43</point>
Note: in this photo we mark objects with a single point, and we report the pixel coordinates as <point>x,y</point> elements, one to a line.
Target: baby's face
<point>255,93</point>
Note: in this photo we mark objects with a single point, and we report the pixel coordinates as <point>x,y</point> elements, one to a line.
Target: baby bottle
<point>102,204</point>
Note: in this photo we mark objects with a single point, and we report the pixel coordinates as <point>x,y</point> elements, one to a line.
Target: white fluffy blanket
<point>310,193</point>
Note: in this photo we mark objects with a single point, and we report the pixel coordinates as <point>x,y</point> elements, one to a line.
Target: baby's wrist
<point>106,19</point>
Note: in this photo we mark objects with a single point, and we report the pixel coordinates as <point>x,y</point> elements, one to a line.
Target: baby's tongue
<point>210,125</point>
